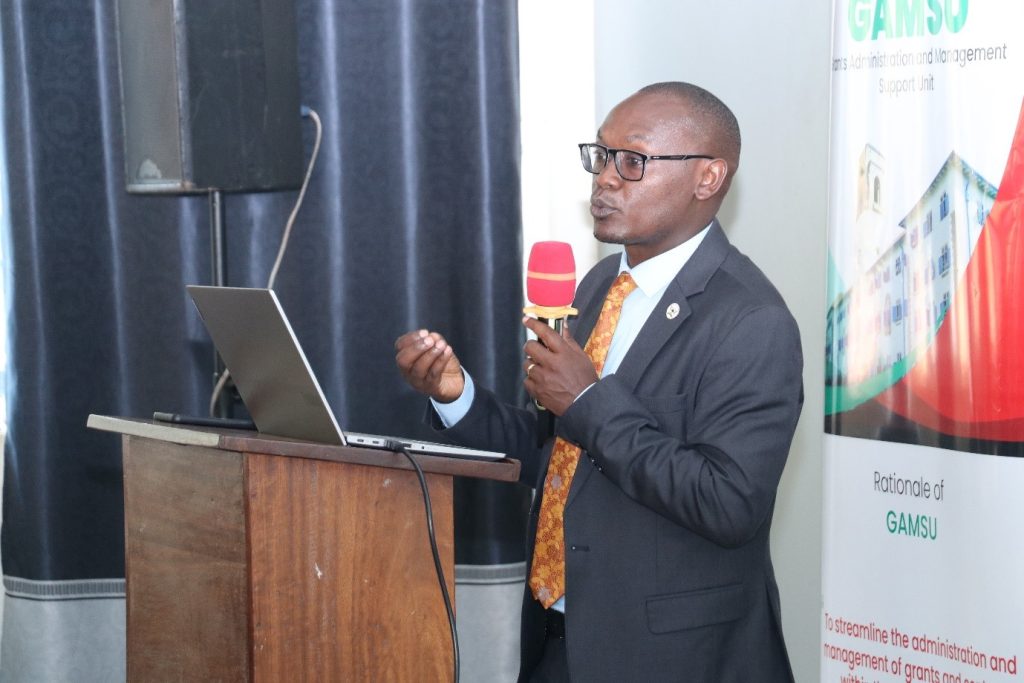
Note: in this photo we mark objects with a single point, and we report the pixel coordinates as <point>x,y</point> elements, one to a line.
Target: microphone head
<point>551,274</point>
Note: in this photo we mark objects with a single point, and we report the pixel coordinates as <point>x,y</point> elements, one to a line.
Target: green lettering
<point>935,20</point>
<point>859,19</point>
<point>883,22</point>
<point>955,23</point>
<point>914,525</point>
<point>909,18</point>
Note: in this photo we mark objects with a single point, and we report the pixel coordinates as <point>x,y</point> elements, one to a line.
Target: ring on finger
<point>529,367</point>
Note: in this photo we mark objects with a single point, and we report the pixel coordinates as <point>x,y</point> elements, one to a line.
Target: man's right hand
<point>429,365</point>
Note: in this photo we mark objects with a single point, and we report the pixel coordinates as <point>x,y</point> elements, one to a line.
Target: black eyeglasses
<point>628,163</point>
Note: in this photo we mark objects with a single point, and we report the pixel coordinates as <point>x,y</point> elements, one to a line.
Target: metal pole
<point>219,267</point>
<point>219,255</point>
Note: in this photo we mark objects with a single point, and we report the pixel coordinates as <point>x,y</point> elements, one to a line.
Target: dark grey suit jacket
<point>668,573</point>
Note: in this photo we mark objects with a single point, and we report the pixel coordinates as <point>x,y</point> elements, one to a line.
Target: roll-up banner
<point>923,550</point>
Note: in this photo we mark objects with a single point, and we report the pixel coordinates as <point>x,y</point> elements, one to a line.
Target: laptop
<point>254,338</point>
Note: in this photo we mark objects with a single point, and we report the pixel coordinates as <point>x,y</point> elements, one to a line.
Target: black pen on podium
<point>203,421</point>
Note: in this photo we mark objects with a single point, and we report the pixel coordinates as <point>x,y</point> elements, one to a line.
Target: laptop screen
<point>259,347</point>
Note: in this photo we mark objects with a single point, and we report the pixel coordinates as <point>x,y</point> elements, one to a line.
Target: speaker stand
<point>219,265</point>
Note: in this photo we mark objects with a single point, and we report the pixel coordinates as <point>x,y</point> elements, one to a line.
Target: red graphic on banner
<point>970,381</point>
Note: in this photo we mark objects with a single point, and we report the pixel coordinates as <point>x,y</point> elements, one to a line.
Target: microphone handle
<point>556,324</point>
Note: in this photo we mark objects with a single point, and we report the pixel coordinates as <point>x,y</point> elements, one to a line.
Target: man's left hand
<point>557,369</point>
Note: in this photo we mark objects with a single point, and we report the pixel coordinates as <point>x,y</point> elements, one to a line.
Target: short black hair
<point>710,111</point>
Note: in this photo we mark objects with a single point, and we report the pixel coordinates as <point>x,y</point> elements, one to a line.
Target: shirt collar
<point>654,274</point>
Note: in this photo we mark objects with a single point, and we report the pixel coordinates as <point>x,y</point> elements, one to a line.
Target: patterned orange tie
<point>547,574</point>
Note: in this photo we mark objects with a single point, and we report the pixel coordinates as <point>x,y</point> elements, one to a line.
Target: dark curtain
<point>412,219</point>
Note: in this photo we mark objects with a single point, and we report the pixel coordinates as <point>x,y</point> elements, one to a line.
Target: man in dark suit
<point>652,561</point>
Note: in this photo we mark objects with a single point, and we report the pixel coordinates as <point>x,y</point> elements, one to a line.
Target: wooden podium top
<point>505,469</point>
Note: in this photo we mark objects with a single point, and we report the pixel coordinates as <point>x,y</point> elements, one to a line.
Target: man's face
<point>659,212</point>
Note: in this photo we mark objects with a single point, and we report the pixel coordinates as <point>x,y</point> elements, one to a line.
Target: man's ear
<point>712,179</point>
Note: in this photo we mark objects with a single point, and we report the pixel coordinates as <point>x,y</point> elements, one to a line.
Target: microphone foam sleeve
<point>551,274</point>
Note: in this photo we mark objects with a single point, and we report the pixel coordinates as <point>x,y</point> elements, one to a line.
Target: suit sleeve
<point>496,426</point>
<point>709,456</point>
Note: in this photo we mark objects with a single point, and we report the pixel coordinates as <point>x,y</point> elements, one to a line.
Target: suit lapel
<point>655,333</point>
<point>674,307</point>
<point>660,327</point>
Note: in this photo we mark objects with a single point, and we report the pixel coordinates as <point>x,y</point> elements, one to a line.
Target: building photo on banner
<point>924,406</point>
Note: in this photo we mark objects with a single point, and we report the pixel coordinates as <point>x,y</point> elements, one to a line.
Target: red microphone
<point>550,287</point>
<point>551,283</point>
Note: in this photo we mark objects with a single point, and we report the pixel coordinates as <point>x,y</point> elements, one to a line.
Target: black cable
<point>397,447</point>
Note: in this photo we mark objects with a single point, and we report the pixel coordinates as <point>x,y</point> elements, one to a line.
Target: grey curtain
<point>412,220</point>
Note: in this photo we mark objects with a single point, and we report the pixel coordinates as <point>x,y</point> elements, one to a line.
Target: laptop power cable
<point>400,448</point>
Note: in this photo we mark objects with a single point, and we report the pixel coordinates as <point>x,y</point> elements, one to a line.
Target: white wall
<point>770,63</point>
<point>556,106</point>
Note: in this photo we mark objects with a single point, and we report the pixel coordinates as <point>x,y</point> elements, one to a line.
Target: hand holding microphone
<point>557,369</point>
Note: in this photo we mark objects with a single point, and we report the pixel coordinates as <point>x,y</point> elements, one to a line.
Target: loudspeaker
<point>210,95</point>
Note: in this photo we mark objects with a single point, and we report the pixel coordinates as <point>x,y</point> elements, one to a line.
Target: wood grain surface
<point>343,585</point>
<point>186,563</point>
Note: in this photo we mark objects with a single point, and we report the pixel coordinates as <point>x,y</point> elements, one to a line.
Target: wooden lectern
<point>256,558</point>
